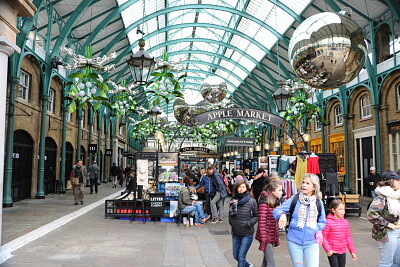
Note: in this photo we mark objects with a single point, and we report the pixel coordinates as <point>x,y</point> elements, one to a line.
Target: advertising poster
<point>142,172</point>
<point>263,162</point>
<point>168,159</point>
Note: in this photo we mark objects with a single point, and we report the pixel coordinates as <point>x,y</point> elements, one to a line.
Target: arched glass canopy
<point>244,41</point>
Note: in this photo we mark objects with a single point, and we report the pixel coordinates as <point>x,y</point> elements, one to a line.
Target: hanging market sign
<point>108,152</point>
<point>239,141</point>
<point>201,149</point>
<point>238,113</point>
<point>92,148</point>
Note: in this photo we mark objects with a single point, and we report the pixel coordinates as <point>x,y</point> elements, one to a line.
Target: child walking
<point>267,231</point>
<point>337,235</point>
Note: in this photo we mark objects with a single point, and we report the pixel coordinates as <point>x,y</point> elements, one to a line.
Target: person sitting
<point>185,204</point>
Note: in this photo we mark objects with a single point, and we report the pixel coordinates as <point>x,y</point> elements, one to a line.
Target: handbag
<point>69,185</point>
<point>75,181</point>
<point>200,190</point>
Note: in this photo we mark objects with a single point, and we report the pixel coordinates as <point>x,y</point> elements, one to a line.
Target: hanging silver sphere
<point>213,89</point>
<point>185,113</point>
<point>327,50</point>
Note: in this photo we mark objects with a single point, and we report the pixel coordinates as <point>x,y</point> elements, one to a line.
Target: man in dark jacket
<point>93,176</point>
<point>217,207</point>
<point>209,191</point>
<point>114,172</point>
<point>185,204</point>
<point>373,179</point>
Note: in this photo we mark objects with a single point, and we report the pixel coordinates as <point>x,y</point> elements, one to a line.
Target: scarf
<point>312,214</point>
<point>392,197</point>
<point>237,200</point>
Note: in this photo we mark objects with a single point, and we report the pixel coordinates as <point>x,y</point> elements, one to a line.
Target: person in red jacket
<point>267,231</point>
<point>337,236</point>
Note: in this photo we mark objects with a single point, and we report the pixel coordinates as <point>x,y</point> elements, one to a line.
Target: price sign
<point>92,148</point>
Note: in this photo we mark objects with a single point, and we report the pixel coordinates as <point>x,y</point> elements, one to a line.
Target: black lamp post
<point>141,65</point>
<point>154,114</point>
<point>281,99</point>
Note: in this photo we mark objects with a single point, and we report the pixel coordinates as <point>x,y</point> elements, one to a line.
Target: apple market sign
<point>239,113</point>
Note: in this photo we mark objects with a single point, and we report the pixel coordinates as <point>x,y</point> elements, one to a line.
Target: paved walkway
<point>87,239</point>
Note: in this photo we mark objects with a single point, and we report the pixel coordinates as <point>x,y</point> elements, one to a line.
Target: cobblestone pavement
<point>91,240</point>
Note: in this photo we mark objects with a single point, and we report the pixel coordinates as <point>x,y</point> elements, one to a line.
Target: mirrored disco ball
<point>185,113</point>
<point>213,89</point>
<point>327,50</point>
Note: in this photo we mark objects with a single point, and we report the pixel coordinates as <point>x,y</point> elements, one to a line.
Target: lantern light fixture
<point>141,64</point>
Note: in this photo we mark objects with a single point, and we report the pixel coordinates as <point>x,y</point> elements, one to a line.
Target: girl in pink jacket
<point>337,236</point>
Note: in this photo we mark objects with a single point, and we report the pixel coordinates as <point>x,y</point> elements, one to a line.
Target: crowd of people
<point>260,200</point>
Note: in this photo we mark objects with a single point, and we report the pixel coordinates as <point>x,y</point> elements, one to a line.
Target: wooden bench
<point>352,203</point>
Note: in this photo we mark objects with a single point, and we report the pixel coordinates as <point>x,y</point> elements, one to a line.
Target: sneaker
<point>205,219</point>
<point>198,224</point>
<point>76,204</point>
<point>251,264</point>
<point>214,221</point>
<point>81,202</point>
<point>220,220</point>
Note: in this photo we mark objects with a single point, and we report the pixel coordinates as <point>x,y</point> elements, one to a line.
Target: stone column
<point>7,48</point>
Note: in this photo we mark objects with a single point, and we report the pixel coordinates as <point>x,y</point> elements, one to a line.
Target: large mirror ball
<point>327,50</point>
<point>213,89</point>
<point>185,113</point>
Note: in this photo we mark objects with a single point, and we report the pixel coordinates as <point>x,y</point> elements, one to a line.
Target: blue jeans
<point>373,194</point>
<point>309,252</point>
<point>198,211</point>
<point>389,251</point>
<point>241,245</point>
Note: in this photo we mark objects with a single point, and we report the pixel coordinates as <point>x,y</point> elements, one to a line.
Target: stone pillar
<point>7,48</point>
<point>9,10</point>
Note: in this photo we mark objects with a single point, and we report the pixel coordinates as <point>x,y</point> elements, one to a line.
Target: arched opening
<point>83,155</point>
<point>69,160</point>
<point>22,166</point>
<point>50,165</point>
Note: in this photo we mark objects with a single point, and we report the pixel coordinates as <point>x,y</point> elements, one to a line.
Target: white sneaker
<point>251,264</point>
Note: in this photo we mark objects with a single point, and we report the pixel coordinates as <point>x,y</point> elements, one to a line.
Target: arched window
<point>365,105</point>
<point>338,115</point>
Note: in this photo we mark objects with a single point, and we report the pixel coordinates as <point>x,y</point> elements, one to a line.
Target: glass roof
<point>217,45</point>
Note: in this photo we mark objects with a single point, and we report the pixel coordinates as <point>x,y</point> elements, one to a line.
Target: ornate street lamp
<point>281,99</point>
<point>141,65</point>
<point>154,114</point>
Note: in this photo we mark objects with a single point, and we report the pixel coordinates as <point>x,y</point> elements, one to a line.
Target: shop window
<point>317,125</point>
<point>338,115</point>
<point>365,103</point>
<point>50,104</point>
<point>24,85</point>
<point>394,150</point>
<point>398,96</point>
<point>338,148</point>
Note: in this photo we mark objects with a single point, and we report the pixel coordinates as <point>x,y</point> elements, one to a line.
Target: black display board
<point>156,204</point>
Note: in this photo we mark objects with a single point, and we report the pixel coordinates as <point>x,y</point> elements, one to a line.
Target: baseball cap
<point>372,169</point>
<point>388,175</point>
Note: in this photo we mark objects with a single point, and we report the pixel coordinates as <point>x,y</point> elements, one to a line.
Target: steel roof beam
<point>68,26</point>
<point>394,6</point>
<point>133,26</point>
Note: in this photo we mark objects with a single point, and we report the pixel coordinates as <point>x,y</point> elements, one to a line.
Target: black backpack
<point>293,205</point>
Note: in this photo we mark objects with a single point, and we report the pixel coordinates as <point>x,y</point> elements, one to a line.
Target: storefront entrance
<point>50,165</point>
<point>365,156</point>
<point>69,160</point>
<point>22,166</point>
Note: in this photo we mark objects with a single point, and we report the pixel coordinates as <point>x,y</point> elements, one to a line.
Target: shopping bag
<point>69,185</point>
